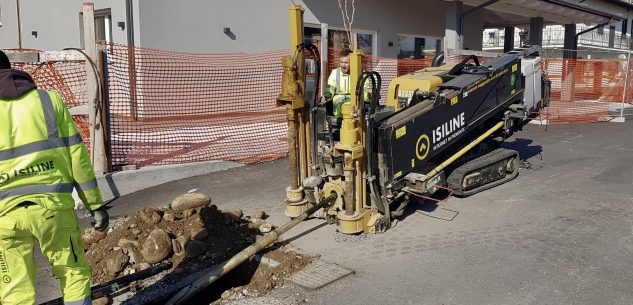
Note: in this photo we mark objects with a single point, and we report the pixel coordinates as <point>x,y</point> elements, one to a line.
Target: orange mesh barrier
<point>173,107</point>
<point>582,89</point>
<point>68,78</point>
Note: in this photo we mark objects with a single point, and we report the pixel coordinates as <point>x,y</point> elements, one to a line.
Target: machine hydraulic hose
<point>376,83</point>
<point>313,107</point>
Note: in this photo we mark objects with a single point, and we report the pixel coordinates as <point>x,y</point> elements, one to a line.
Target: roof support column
<point>508,41</point>
<point>570,41</point>
<point>569,63</point>
<point>536,31</point>
<point>452,37</point>
<point>611,36</point>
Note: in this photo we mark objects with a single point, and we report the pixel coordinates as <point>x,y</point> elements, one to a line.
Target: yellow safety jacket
<point>42,155</point>
<point>338,90</point>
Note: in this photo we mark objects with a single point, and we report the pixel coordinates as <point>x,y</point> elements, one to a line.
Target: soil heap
<point>193,235</point>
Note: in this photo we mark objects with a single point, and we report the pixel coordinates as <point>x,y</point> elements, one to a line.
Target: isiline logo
<point>4,177</point>
<point>45,168</point>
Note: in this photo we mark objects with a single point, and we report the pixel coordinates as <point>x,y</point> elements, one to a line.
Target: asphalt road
<point>561,233</point>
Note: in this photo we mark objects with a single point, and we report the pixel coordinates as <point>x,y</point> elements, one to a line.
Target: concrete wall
<point>256,25</point>
<point>262,25</point>
<point>473,31</point>
<point>57,23</point>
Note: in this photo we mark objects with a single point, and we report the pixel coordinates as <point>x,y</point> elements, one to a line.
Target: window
<point>312,35</point>
<point>417,47</point>
<point>338,39</point>
<point>103,26</point>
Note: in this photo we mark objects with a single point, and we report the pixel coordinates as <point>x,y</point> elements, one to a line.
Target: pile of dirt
<point>193,235</point>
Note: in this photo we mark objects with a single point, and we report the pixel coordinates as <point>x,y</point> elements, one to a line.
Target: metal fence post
<point>625,90</point>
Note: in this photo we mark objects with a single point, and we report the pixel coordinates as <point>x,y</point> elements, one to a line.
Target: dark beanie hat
<point>4,61</point>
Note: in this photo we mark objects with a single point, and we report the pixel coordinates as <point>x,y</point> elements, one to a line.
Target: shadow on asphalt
<point>526,151</point>
<point>433,207</point>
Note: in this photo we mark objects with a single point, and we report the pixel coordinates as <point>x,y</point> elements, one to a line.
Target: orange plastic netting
<point>584,90</point>
<point>174,107</point>
<point>68,78</point>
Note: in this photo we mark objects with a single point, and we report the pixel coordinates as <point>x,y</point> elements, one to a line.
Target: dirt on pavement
<point>193,235</point>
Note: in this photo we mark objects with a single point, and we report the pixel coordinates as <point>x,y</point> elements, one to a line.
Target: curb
<point>114,185</point>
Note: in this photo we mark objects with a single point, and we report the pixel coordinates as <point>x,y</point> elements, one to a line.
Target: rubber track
<point>455,179</point>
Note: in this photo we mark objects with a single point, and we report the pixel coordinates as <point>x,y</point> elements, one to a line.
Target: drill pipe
<point>293,151</point>
<point>221,269</point>
<point>117,284</point>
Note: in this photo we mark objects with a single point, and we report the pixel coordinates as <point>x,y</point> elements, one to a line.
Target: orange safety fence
<point>68,78</point>
<point>583,90</point>
<point>175,107</point>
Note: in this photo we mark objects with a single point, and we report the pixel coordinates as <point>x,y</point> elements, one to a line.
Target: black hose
<point>458,67</point>
<point>313,109</point>
<point>376,83</point>
<point>97,77</point>
<point>438,59</point>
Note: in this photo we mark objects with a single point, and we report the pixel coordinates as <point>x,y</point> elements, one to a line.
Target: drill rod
<point>221,269</point>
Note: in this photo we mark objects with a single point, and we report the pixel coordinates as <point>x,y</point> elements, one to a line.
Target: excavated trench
<point>192,235</point>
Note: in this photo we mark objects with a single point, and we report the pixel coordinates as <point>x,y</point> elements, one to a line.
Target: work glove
<point>101,219</point>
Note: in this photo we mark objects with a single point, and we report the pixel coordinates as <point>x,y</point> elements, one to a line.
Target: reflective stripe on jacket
<point>338,90</point>
<point>42,155</point>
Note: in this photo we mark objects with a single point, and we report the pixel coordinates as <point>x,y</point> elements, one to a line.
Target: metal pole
<point>17,4</point>
<point>626,82</point>
<point>324,57</point>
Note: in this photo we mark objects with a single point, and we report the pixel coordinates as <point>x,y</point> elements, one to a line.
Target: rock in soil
<point>143,266</point>
<point>157,247</point>
<point>197,252</point>
<point>150,216</point>
<point>179,245</point>
<point>265,227</point>
<point>116,262</point>
<point>260,215</point>
<point>92,236</point>
<point>169,216</point>
<point>101,301</point>
<point>190,201</point>
<point>237,213</point>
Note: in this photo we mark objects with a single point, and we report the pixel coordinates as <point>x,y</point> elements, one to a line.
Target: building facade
<point>399,28</point>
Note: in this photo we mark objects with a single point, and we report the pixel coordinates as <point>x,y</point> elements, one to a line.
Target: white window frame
<point>374,43</point>
<point>441,39</point>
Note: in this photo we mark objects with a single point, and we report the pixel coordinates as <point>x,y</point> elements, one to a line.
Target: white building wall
<point>262,25</point>
<point>197,25</point>
<point>57,23</point>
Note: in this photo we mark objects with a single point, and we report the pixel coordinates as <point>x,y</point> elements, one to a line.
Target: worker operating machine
<point>440,128</point>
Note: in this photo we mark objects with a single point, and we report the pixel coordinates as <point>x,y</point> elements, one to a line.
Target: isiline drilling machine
<point>441,128</point>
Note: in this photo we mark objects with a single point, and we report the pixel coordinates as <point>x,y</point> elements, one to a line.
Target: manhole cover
<point>319,274</point>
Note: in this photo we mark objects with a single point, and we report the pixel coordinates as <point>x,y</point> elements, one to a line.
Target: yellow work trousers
<point>59,239</point>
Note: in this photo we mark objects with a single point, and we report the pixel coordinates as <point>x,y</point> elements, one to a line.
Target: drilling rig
<point>440,128</point>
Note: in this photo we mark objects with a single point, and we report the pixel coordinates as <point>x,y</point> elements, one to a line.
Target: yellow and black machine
<point>441,128</point>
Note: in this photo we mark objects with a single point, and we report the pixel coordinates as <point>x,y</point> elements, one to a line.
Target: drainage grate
<point>319,274</point>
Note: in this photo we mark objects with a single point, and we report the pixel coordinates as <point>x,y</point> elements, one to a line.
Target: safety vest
<point>338,90</point>
<point>42,155</point>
